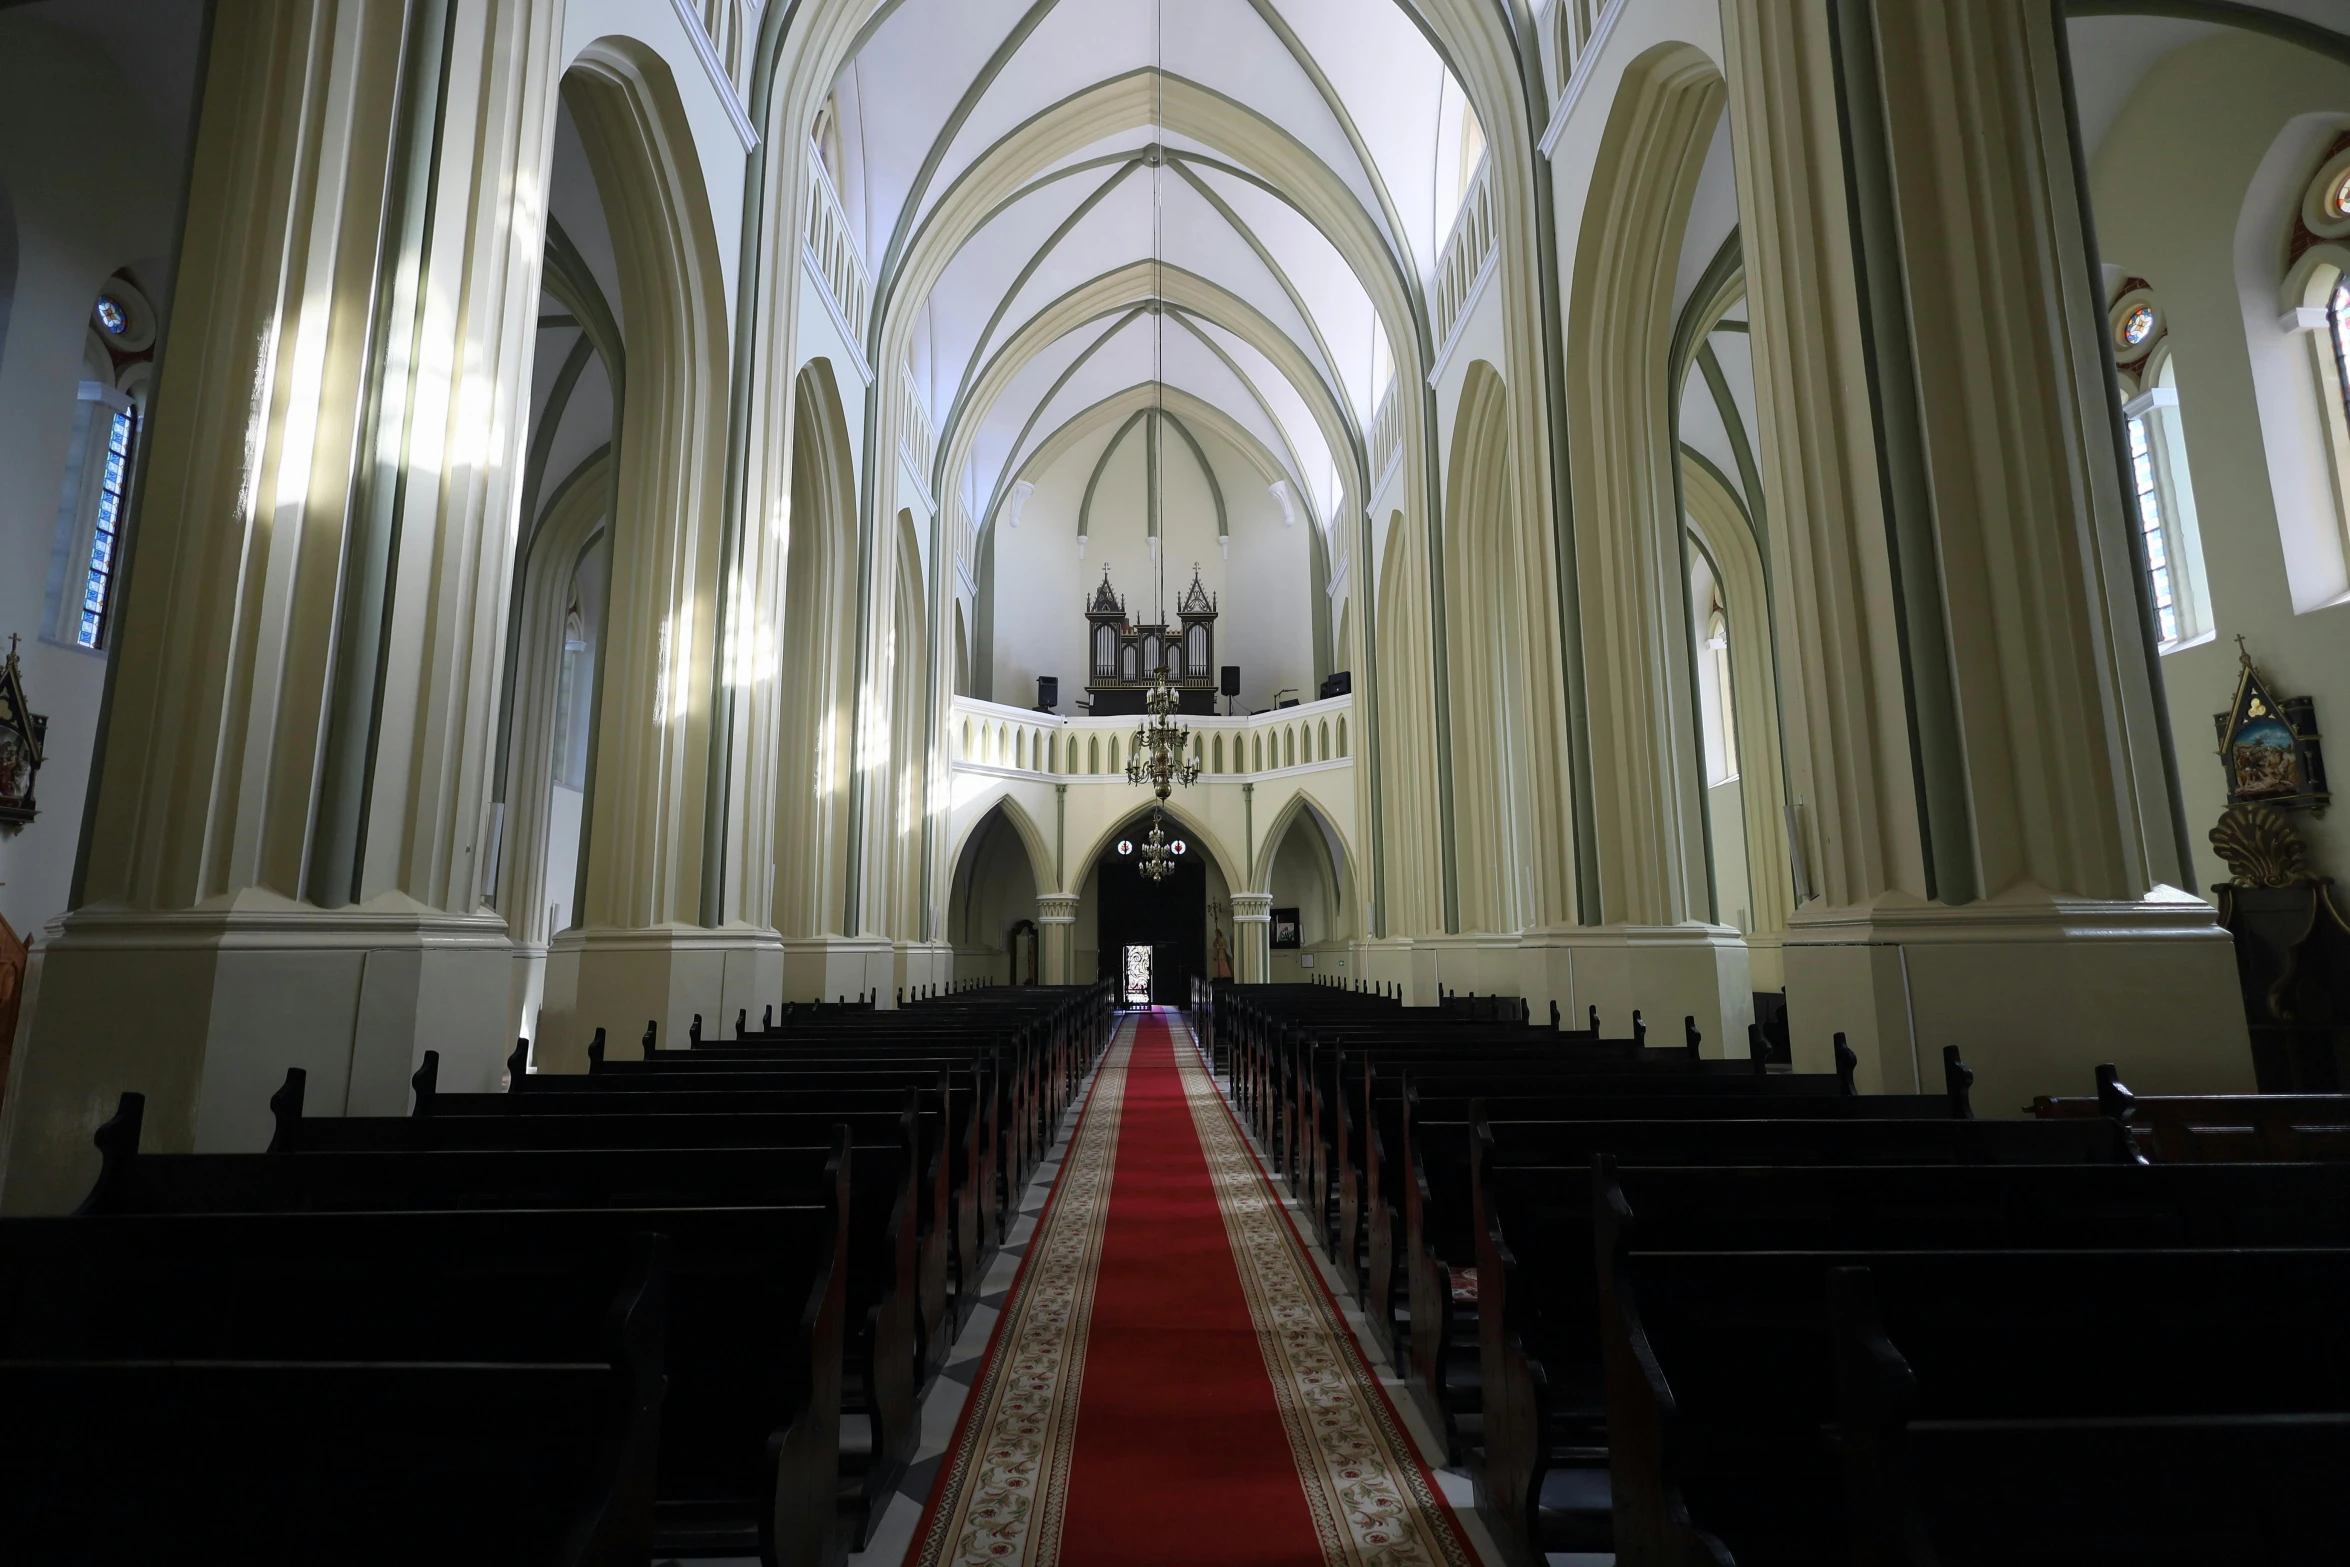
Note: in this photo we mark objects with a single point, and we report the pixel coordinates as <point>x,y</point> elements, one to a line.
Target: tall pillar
<point>653,938</point>
<point>1056,932</point>
<point>1252,933</point>
<point>1983,822</point>
<point>286,841</point>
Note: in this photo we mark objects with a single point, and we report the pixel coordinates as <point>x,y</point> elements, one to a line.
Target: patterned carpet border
<point>1372,1501</point>
<point>1006,1481</point>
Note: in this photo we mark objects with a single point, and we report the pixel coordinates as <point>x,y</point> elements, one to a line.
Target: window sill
<point>2181,646</point>
<point>72,647</point>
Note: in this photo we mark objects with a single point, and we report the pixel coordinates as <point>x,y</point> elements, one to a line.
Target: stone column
<point>286,841</point>
<point>1984,830</point>
<point>1252,933</point>
<point>1056,932</point>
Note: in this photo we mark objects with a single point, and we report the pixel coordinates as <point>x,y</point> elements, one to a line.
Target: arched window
<point>2161,496</point>
<point>1256,753</point>
<point>573,689</point>
<point>1219,753</point>
<point>1289,748</point>
<point>1093,754</point>
<point>1342,734</point>
<point>1324,745</point>
<point>2338,329</point>
<point>93,509</point>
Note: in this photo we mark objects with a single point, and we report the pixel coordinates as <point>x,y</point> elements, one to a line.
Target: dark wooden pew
<point>292,1389</point>
<point>2209,1422</point>
<point>1543,1470</point>
<point>751,1437</point>
<point>1723,1453</point>
<point>896,1309</point>
<point>2193,1128</point>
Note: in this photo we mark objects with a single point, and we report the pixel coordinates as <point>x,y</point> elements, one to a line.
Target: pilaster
<point>1974,752</point>
<point>1056,927</point>
<point>287,836</point>
<point>1252,933</point>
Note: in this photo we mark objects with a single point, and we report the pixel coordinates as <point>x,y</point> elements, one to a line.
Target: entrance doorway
<point>1136,990</point>
<point>1168,919</point>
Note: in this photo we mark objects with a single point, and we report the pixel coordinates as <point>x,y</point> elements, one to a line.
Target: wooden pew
<point>1721,1453</point>
<point>2193,1128</point>
<point>895,1305</point>
<point>1543,1469</point>
<point>2210,1423</point>
<point>366,1388</point>
<point>750,1451</point>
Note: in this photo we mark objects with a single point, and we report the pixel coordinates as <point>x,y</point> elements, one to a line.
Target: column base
<point>918,964</point>
<point>618,980</point>
<point>1665,972</point>
<point>2035,991</point>
<point>831,968</point>
<point>203,1010</point>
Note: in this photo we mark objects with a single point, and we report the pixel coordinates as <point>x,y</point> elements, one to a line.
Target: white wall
<point>92,181</point>
<point>1041,587</point>
<point>2202,124</point>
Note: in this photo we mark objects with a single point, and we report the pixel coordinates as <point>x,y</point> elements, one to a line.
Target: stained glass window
<point>111,316</point>
<point>2150,523</point>
<point>2138,325</point>
<point>99,584</point>
<point>2338,319</point>
<point>2340,199</point>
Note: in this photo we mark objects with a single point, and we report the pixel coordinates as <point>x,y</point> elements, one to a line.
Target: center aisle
<point>1170,1383</point>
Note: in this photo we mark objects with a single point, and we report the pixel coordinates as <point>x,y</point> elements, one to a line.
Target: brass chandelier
<point>1160,756</point>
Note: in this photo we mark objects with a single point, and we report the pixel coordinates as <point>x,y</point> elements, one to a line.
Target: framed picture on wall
<point>1285,932</point>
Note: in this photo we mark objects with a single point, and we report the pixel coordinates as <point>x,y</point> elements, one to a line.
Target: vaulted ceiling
<point>1066,204</point>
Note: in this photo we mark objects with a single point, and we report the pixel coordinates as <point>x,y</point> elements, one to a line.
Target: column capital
<point>1252,907</point>
<point>1056,909</point>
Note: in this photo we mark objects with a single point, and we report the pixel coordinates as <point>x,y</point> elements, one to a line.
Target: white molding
<point>1338,577</point>
<point>2146,402</point>
<point>100,392</point>
<point>715,68</point>
<point>1576,83</point>
<point>1019,498</point>
<point>848,335</point>
<point>1460,323</point>
<point>2303,318</point>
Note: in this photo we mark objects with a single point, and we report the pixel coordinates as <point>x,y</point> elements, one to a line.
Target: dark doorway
<point>1170,917</point>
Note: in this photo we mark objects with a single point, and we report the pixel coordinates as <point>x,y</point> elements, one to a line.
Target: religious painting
<point>22,732</point>
<point>1285,928</point>
<point>2269,746</point>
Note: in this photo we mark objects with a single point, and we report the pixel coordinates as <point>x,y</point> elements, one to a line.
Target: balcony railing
<point>917,436</point>
<point>988,734</point>
<point>1466,250</point>
<point>834,254</point>
<point>1387,433</point>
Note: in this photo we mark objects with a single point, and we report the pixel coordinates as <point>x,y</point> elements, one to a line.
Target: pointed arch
<point>1202,838</point>
<point>1647,781</point>
<point>1002,802</point>
<point>820,558</point>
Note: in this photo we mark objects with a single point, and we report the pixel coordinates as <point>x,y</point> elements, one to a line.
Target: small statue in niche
<point>2269,746</point>
<point>1220,956</point>
<point>22,732</point>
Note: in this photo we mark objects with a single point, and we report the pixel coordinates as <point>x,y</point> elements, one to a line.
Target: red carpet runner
<point>1169,1382</point>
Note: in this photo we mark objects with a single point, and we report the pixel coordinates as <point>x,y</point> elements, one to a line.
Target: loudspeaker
<point>1048,692</point>
<point>1340,684</point>
<point>1231,682</point>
